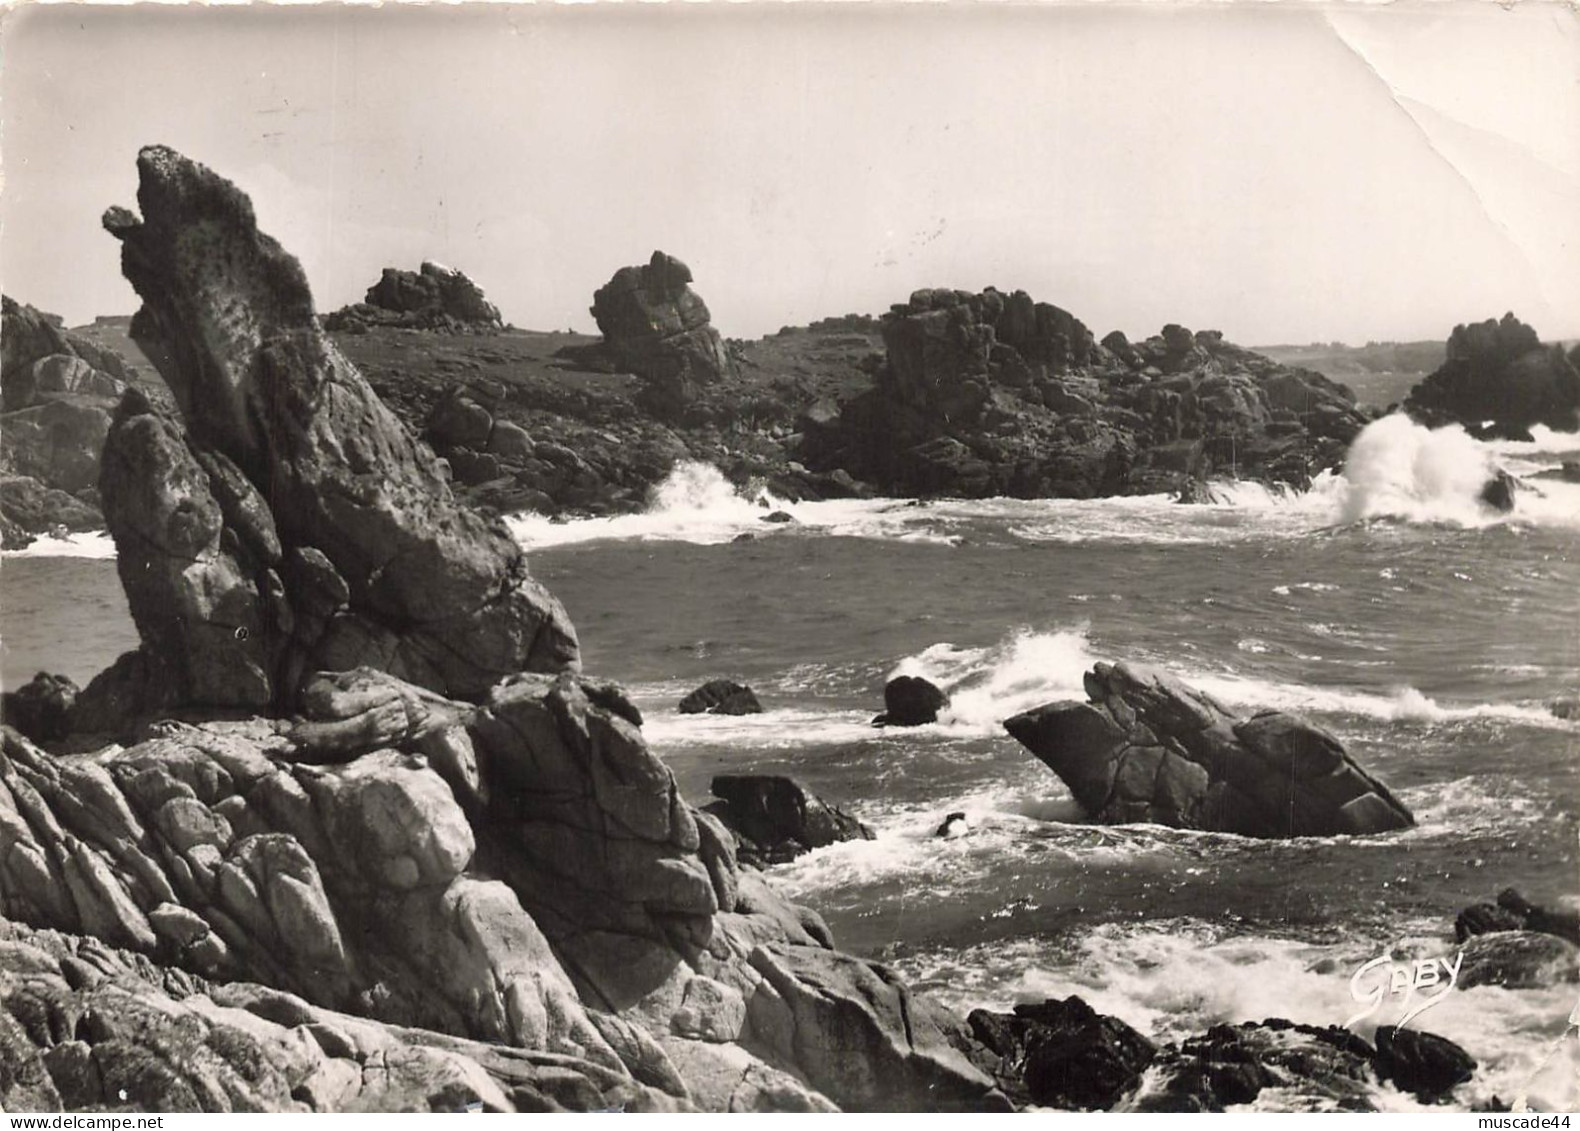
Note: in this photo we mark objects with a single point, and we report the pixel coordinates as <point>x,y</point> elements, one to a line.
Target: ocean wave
<point>1175,978</point>
<point>1025,670</point>
<point>100,546</point>
<point>695,503</point>
<point>1398,469</point>
<point>1028,669</point>
<point>770,730</point>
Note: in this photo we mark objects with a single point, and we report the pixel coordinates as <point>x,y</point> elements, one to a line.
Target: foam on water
<point>99,545</point>
<point>771,730</point>
<point>1399,469</point>
<point>696,503</point>
<point>1027,669</point>
<point>1174,979</point>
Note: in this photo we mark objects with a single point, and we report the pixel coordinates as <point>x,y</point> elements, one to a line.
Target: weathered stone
<point>910,701</point>
<point>445,599</point>
<point>721,697</point>
<point>1148,748</point>
<point>777,819</point>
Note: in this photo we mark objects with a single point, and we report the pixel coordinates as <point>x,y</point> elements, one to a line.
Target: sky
<point>1283,173</point>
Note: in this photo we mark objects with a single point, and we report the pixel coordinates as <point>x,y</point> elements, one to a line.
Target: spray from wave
<point>696,503</point>
<point>1399,469</point>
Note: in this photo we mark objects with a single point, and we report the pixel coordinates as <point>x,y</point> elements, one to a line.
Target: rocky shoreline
<point>353,830</point>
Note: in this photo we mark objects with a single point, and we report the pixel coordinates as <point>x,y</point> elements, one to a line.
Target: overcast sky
<point>1352,172</point>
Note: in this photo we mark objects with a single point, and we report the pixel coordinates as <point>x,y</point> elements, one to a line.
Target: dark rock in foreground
<point>776,819</point>
<point>1061,1054</point>
<point>1423,1063</point>
<point>910,701</point>
<point>1231,1064</point>
<point>721,697</point>
<point>1500,380</point>
<point>654,324</point>
<point>41,707</point>
<point>1147,748</point>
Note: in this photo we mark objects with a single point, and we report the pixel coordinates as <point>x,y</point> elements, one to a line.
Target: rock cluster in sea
<point>1500,381</point>
<point>1147,748</point>
<point>993,394</point>
<point>433,297</point>
<point>59,389</point>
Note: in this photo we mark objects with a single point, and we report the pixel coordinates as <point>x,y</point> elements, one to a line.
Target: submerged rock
<point>777,819</point>
<point>721,697</point>
<point>910,701</point>
<point>1147,748</point>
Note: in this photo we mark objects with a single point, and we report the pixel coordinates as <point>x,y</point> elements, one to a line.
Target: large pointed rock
<point>1147,748</point>
<point>299,515</point>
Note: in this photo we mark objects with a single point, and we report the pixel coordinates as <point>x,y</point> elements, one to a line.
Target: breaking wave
<point>100,546</point>
<point>1399,469</point>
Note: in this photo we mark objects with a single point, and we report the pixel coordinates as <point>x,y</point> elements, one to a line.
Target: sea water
<point>1388,604</point>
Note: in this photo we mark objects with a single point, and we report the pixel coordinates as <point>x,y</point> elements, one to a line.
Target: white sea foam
<point>1027,669</point>
<point>99,545</point>
<point>696,503</point>
<point>1173,979</point>
<point>771,730</point>
<point>1399,469</point>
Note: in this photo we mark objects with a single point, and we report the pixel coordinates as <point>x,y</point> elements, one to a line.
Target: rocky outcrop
<point>721,697</point>
<point>406,879</point>
<point>57,393</point>
<point>994,394</point>
<point>1147,748</point>
<point>1513,912</point>
<point>41,707</point>
<point>85,1025</point>
<point>775,819</point>
<point>1422,1063</point>
<point>655,325</point>
<point>1499,380</point>
<point>1517,960</point>
<point>910,701</point>
<point>288,517</point>
<point>1061,1054</point>
<point>1231,1064</point>
<point>434,297</point>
